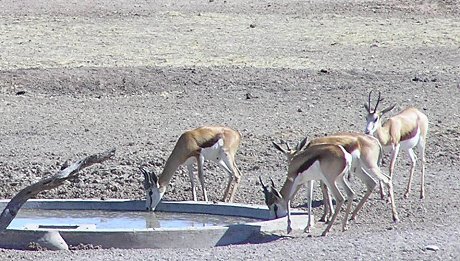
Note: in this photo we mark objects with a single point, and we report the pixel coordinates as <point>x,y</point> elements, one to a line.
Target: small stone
<point>52,240</point>
<point>250,96</point>
<point>432,247</point>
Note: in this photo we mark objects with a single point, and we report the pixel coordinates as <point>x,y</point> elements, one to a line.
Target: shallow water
<point>120,219</point>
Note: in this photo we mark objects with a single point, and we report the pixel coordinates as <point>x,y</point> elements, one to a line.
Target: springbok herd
<point>326,159</point>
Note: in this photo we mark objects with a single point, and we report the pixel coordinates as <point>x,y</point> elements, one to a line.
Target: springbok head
<point>374,116</point>
<point>290,152</point>
<point>273,200</point>
<point>152,189</point>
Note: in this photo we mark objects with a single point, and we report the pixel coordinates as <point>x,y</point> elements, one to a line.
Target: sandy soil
<point>78,77</point>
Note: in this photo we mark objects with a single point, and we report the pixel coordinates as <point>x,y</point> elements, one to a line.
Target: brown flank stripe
<point>210,142</point>
<point>410,134</point>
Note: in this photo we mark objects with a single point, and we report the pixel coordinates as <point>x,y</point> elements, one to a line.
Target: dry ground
<point>78,77</point>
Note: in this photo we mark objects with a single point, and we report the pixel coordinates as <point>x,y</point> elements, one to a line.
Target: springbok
<point>325,162</point>
<point>366,152</point>
<point>405,130</point>
<point>289,153</point>
<point>218,144</point>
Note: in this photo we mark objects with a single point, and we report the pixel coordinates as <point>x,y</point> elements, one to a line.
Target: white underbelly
<point>214,153</point>
<point>355,156</point>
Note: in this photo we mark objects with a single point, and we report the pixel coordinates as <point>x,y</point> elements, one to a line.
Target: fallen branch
<point>68,173</point>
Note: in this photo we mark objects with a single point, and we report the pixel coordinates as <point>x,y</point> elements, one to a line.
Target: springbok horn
<point>265,188</point>
<point>378,101</point>
<point>147,181</point>
<point>262,183</point>
<point>369,102</point>
<point>301,144</point>
<point>273,183</point>
<point>278,147</point>
<point>287,146</point>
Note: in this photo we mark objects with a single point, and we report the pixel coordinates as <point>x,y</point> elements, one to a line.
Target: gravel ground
<point>79,77</point>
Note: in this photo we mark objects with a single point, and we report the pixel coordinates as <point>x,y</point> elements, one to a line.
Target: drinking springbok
<point>366,152</point>
<point>218,144</point>
<point>325,162</point>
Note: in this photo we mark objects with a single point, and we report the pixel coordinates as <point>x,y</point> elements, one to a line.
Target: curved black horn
<point>377,104</point>
<point>265,188</point>
<point>273,183</point>
<point>147,181</point>
<point>262,183</point>
<point>301,144</point>
<point>149,176</point>
<point>278,147</point>
<point>369,102</point>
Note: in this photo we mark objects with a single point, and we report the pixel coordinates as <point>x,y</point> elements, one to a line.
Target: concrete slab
<point>149,237</point>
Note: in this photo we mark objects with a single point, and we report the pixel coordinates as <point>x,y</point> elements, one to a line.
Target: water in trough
<point>103,219</point>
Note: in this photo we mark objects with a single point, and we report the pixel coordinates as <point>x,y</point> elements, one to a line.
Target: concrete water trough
<point>202,224</point>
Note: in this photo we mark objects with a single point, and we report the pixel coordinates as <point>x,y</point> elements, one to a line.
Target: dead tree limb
<point>69,172</point>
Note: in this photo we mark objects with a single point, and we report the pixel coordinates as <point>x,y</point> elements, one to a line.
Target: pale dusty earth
<point>80,77</point>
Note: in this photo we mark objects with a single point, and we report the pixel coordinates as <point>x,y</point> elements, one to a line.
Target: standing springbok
<point>366,152</point>
<point>405,130</point>
<point>218,144</point>
<point>325,162</point>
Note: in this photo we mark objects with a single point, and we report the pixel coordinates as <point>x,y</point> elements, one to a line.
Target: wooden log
<point>69,172</point>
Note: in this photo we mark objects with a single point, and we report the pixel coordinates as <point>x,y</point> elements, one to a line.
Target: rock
<point>52,240</point>
<point>432,248</point>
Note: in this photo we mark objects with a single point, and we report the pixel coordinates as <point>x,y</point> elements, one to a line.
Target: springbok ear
<point>278,147</point>
<point>388,109</point>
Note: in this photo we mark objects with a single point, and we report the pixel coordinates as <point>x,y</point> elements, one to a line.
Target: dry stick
<point>11,210</point>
